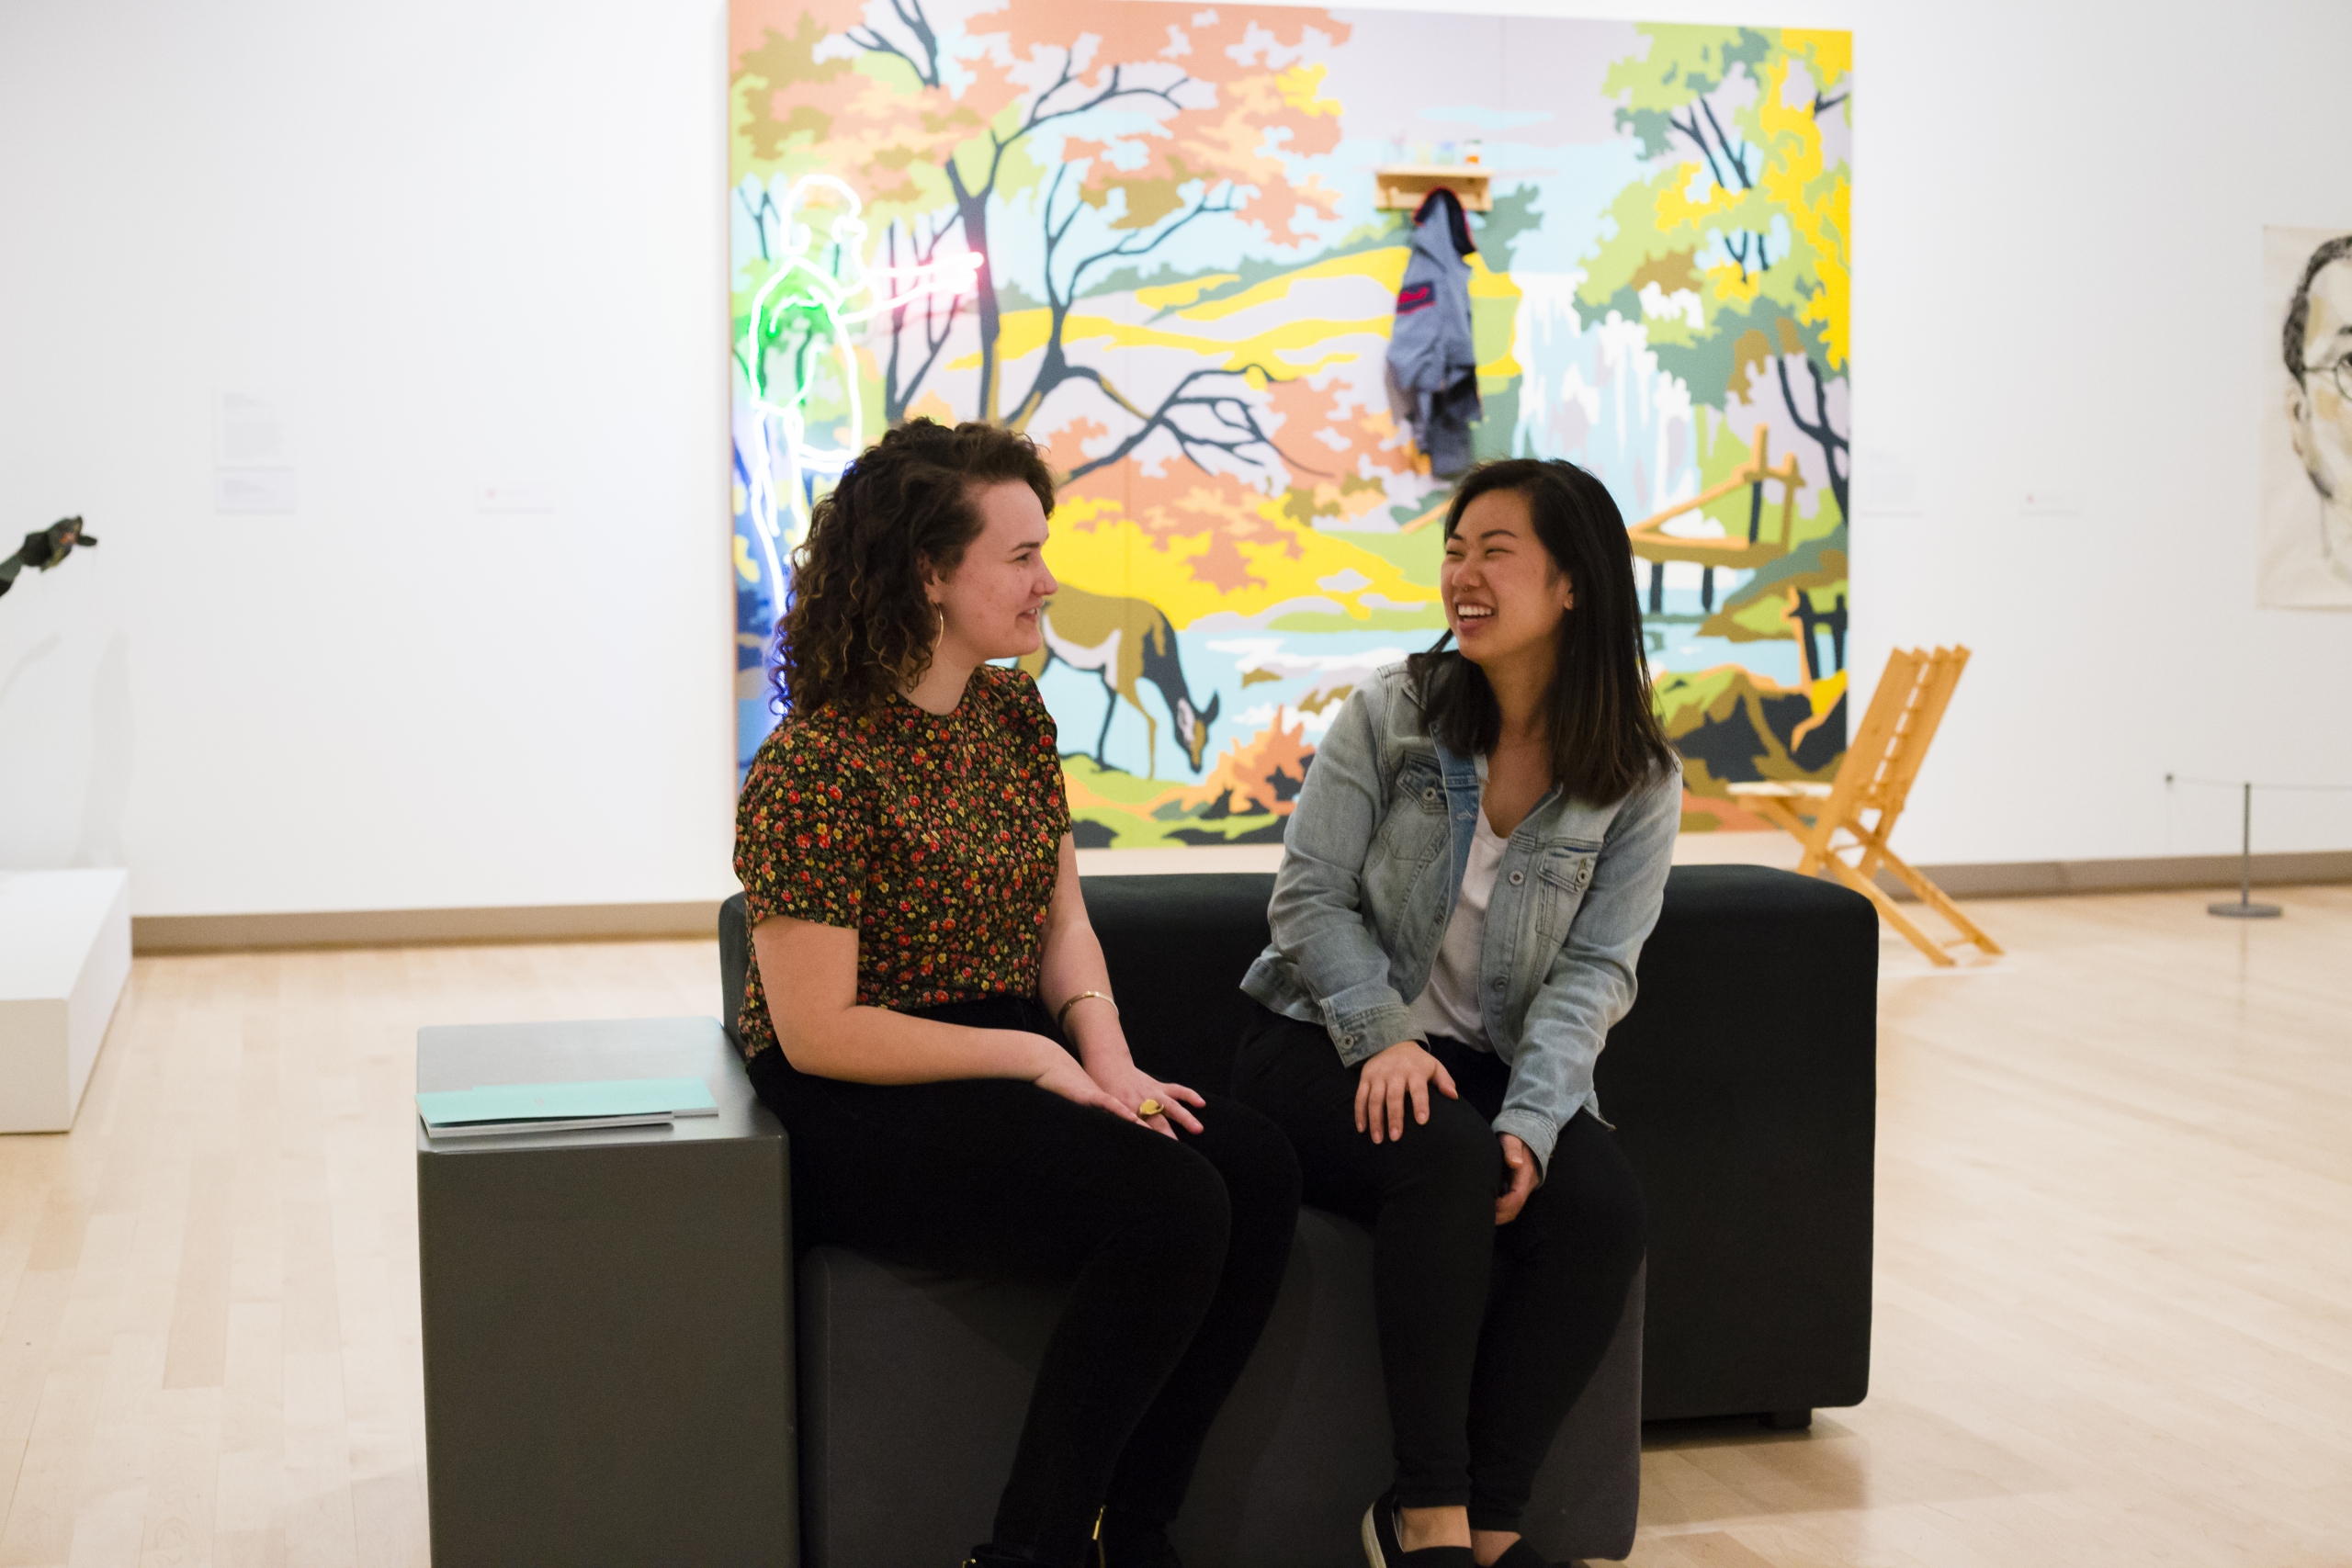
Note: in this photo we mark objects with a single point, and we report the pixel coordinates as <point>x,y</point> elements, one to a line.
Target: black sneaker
<point>1522,1555</point>
<point>1383,1547</point>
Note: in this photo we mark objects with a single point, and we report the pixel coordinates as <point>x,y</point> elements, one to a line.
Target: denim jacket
<point>1373,864</point>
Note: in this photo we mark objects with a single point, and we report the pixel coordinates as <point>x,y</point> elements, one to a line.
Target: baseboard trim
<point>2050,878</point>
<point>699,918</point>
<point>422,928</point>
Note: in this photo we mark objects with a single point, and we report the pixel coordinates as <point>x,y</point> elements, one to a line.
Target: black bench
<point>1742,1089</point>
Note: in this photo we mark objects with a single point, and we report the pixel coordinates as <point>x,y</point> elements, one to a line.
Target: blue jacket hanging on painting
<point>1432,360</point>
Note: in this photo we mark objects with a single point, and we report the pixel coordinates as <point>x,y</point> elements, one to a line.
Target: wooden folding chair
<point>1881,761</point>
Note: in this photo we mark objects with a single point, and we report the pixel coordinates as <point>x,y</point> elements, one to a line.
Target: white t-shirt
<point>1449,1004</point>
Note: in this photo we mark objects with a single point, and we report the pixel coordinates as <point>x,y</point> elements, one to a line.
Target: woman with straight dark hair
<point>1470,871</point>
<point>929,1012</point>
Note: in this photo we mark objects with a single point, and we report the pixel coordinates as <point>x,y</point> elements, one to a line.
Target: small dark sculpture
<point>43,548</point>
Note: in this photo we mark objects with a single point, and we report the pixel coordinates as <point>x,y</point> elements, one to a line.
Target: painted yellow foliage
<point>1818,205</point>
<point>1827,54</point>
<point>1302,88</point>
<point>1021,332</point>
<point>1384,266</point>
<point>1492,326</point>
<point>1024,332</point>
<point>1162,296</point>
<point>1826,692</point>
<point>1678,213</point>
<point>1096,546</point>
<point>1277,345</point>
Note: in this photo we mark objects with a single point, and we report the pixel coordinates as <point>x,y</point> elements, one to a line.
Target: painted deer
<point>1124,642</point>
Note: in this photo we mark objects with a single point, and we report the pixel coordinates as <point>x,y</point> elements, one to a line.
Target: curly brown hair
<point>859,626</point>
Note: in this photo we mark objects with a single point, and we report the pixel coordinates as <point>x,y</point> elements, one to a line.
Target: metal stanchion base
<point>2242,911</point>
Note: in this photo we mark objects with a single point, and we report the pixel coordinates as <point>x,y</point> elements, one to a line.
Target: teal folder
<point>531,1107</point>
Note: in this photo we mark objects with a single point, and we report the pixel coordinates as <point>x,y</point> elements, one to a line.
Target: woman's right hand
<point>1059,1073</point>
<point>1405,1069</point>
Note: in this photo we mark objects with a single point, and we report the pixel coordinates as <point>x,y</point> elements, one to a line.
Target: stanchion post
<point>2245,908</point>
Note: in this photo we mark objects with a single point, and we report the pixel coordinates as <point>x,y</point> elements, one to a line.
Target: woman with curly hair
<point>935,1026</point>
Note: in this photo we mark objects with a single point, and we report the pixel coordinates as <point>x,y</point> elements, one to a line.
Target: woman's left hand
<point>1131,1085</point>
<point>1525,1175</point>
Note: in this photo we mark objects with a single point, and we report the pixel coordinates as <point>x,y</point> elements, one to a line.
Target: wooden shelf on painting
<point>1403,186</point>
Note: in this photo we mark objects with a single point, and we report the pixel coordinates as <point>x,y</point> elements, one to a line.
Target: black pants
<point>1178,1248</point>
<point>1488,1334</point>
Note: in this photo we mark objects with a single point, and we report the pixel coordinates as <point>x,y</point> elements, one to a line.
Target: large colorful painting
<point>1153,236</point>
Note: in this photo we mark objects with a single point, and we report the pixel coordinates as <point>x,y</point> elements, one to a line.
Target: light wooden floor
<point>2114,1318</point>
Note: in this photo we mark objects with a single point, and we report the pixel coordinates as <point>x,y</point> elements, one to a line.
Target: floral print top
<point>937,840</point>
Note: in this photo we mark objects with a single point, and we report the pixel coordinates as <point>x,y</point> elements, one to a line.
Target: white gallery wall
<point>456,275</point>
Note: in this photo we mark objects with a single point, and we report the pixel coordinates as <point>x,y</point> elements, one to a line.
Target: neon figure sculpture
<point>801,326</point>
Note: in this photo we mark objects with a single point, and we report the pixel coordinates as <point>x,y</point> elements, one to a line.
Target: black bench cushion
<point>1743,1086</point>
<point>908,1373</point>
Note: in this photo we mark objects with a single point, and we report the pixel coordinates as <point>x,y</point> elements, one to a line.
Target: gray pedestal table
<point>607,1314</point>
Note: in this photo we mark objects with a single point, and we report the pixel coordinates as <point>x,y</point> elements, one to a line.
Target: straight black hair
<point>1605,738</point>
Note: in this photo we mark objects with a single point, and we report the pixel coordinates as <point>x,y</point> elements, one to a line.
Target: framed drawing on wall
<point>2306,533</point>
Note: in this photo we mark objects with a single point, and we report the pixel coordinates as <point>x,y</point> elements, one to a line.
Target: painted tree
<point>1147,134</point>
<point>1752,218</point>
<point>808,99</point>
<point>1133,186</point>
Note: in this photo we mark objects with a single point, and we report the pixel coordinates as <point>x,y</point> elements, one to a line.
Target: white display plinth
<point>64,957</point>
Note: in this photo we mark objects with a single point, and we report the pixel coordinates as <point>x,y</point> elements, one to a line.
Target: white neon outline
<point>883,288</point>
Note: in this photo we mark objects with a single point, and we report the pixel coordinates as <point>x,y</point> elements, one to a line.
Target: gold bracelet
<point>1061,1019</point>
